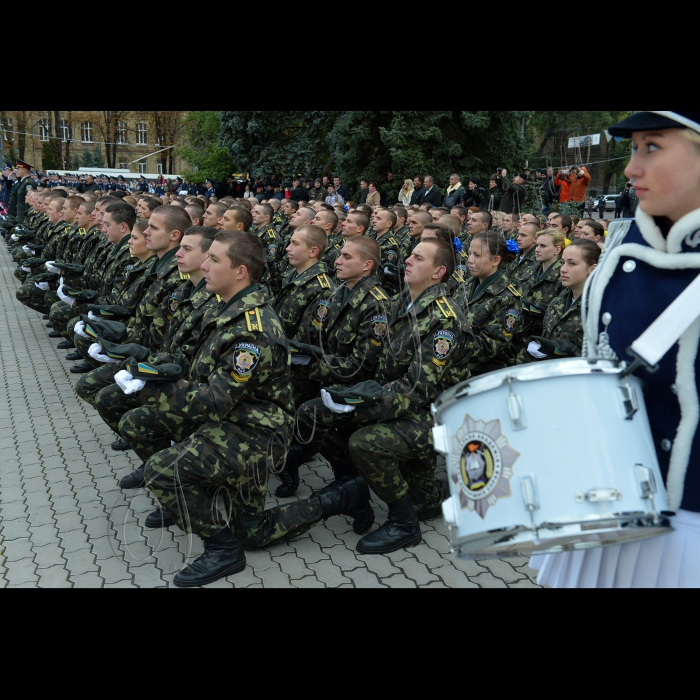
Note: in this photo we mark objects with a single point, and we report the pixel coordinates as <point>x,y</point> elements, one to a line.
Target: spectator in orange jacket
<point>562,180</point>
<point>580,179</point>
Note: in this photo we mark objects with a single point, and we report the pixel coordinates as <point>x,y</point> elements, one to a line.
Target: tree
<point>168,127</point>
<point>205,156</point>
<point>48,155</point>
<point>93,158</point>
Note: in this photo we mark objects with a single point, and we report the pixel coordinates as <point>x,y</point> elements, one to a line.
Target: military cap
<point>34,262</point>
<point>45,276</point>
<point>109,311</point>
<point>80,294</point>
<point>298,348</point>
<point>70,267</point>
<point>22,164</point>
<point>368,393</point>
<point>111,331</point>
<point>557,347</point>
<point>152,372</point>
<point>125,351</point>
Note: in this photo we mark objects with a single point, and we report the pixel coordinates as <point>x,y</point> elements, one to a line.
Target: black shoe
<point>134,480</point>
<point>55,334</point>
<point>159,518</point>
<point>75,355</point>
<point>120,444</point>
<point>349,498</point>
<point>49,325</point>
<point>82,367</point>
<point>402,529</point>
<point>289,476</point>
<point>223,555</point>
<point>45,317</point>
<point>424,514</point>
<point>65,345</point>
<point>363,517</point>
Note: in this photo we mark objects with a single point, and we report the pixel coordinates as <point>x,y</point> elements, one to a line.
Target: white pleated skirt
<point>669,561</point>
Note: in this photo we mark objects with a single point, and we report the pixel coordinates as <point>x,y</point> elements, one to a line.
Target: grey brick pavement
<point>65,523</point>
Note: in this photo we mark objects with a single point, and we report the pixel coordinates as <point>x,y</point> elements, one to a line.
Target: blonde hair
<point>558,238</point>
<point>692,137</point>
<point>411,188</point>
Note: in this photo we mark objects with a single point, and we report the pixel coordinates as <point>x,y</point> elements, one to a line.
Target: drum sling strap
<point>663,334</point>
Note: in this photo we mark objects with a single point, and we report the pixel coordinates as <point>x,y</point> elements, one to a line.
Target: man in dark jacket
<point>341,189</point>
<point>299,193</point>
<point>513,192</point>
<point>432,194</point>
<point>550,192</point>
<point>456,192</point>
<point>418,190</point>
<point>88,186</point>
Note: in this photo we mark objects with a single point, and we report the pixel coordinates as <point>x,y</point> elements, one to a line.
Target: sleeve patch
<point>379,324</point>
<point>322,309</point>
<point>512,317</point>
<point>443,342</point>
<point>245,359</point>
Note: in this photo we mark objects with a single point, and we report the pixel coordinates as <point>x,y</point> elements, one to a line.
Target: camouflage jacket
<point>537,293</point>
<point>407,246</point>
<point>302,304</point>
<point>82,247</point>
<point>128,284</point>
<point>521,272</point>
<point>64,242</point>
<point>239,378</point>
<point>496,317</point>
<point>391,264</point>
<point>317,194</point>
<point>115,265</point>
<point>54,236</point>
<point>154,310</point>
<point>95,262</point>
<point>427,346</point>
<point>334,246</point>
<point>352,335</point>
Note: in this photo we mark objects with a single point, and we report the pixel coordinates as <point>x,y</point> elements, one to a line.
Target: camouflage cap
<point>124,352</point>
<point>109,311</point>
<point>108,330</point>
<point>152,372</point>
<point>368,392</point>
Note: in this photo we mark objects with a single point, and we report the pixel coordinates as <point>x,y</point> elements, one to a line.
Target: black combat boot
<point>402,529</point>
<point>348,498</point>
<point>120,444</point>
<point>81,367</point>
<point>363,517</point>
<point>223,555</point>
<point>159,518</point>
<point>134,480</point>
<point>289,476</point>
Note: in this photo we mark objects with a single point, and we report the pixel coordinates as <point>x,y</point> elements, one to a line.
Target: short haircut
<point>88,205</point>
<point>459,177</point>
<point>486,217</point>
<point>444,210</point>
<point>365,208</point>
<point>440,232</point>
<point>60,191</point>
<point>206,234</point>
<point>452,223</point>
<point>565,221</point>
<point>325,205</point>
<point>151,202</point>
<point>535,227</point>
<point>195,211</point>
<point>74,201</point>
<point>310,213</point>
<point>244,248</point>
<point>241,215</point>
<point>314,236</point>
<point>392,217</point>
<point>218,208</point>
<point>368,248</point>
<point>330,217</point>
<point>360,218</point>
<point>444,255</point>
<point>267,210</point>
<point>122,213</point>
<point>423,217</point>
<point>419,177</point>
<point>401,212</point>
<point>174,218</point>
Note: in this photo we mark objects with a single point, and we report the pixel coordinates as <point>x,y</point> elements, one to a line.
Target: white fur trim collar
<point>684,229</point>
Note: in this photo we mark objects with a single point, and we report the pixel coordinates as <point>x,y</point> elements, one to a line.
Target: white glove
<point>335,407</point>
<point>387,271</point>
<point>126,382</point>
<point>44,286</point>
<point>65,298</point>
<point>95,351</point>
<point>92,316</point>
<point>14,237</point>
<point>26,269</point>
<point>52,268</point>
<point>534,349</point>
<point>27,249</point>
<point>79,328</point>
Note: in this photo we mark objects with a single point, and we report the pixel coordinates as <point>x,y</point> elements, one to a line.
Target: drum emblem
<point>482,464</point>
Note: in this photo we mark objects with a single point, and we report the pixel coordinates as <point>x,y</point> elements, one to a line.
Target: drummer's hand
<point>335,407</point>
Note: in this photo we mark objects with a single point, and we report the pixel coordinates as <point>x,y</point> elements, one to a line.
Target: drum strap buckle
<point>637,362</point>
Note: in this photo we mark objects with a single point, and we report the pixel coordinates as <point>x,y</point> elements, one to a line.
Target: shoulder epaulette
<point>324,281</point>
<point>378,294</point>
<point>253,320</point>
<point>183,276</point>
<point>392,240</point>
<point>444,306</point>
<point>271,233</point>
<point>514,291</point>
<point>82,231</point>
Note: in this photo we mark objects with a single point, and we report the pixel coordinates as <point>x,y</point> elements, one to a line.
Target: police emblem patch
<point>245,359</point>
<point>379,323</point>
<point>443,342</point>
<point>391,256</point>
<point>322,310</point>
<point>172,302</point>
<point>512,317</point>
<point>272,250</point>
<point>482,464</point>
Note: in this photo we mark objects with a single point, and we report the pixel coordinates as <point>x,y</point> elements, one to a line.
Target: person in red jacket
<point>580,179</point>
<point>562,180</point>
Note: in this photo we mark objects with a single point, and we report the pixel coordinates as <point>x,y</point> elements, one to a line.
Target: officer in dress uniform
<point>656,251</point>
<point>18,206</point>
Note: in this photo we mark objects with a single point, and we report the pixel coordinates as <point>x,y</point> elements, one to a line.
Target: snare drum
<point>528,478</point>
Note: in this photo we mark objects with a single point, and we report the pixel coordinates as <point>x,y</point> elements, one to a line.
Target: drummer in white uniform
<point>648,264</point>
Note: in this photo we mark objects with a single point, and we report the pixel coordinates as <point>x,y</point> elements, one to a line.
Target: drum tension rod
<point>637,362</point>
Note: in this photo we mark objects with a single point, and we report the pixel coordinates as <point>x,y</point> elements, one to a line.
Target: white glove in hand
<point>95,351</point>
<point>126,382</point>
<point>92,316</point>
<point>26,269</point>
<point>335,407</point>
<point>534,349</point>
<point>14,237</point>
<point>65,298</point>
<point>44,286</point>
<point>27,249</point>
<point>79,328</point>
<point>387,271</point>
<point>52,268</point>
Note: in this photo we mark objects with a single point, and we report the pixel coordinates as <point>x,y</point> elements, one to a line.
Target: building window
<point>159,141</point>
<point>86,132</point>
<point>65,130</point>
<point>7,128</point>
<point>121,133</point>
<point>43,130</point>
<point>159,168</point>
<point>142,169</point>
<point>122,166</point>
<point>141,134</point>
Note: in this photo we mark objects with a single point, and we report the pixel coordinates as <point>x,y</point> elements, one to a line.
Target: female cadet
<point>545,284</point>
<point>593,231</point>
<point>494,306</point>
<point>658,251</point>
<point>562,330</point>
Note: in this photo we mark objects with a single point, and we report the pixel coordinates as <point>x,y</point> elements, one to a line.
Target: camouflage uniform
<point>304,301</point>
<point>390,252</point>
<point>389,440</point>
<point>334,246</point>
<point>562,321</point>
<point>521,271</point>
<point>496,317</point>
<point>351,338</point>
<point>537,293</point>
<point>317,194</point>
<point>232,417</point>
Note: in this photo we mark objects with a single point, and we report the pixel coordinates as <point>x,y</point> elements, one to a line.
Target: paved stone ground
<point>65,523</point>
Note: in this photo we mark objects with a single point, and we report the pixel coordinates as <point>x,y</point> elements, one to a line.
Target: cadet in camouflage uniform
<point>317,193</point>
<point>306,292</point>
<point>494,305</point>
<point>303,216</point>
<point>383,428</point>
<point>545,284</point>
<point>270,240</point>
<point>416,223</point>
<point>232,417</point>
<point>328,221</point>
<point>523,269</point>
<point>562,333</point>
<point>391,263</point>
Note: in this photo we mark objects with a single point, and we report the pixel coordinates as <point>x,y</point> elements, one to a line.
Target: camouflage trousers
<point>33,297</point>
<point>60,315</point>
<point>101,377</point>
<point>191,477</point>
<point>392,467</point>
